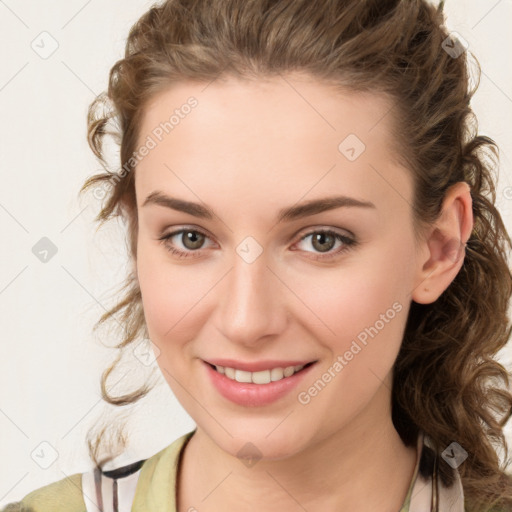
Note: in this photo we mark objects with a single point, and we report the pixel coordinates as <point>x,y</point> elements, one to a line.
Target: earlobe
<point>445,245</point>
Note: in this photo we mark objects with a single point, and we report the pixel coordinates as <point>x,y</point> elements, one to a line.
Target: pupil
<point>192,240</point>
<point>321,238</point>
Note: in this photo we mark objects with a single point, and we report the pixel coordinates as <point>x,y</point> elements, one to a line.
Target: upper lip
<point>256,366</point>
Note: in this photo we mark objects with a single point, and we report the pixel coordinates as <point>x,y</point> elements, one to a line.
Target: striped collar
<point>150,484</point>
<point>427,492</point>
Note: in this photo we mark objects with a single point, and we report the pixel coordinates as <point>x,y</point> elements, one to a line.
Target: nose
<point>251,308</point>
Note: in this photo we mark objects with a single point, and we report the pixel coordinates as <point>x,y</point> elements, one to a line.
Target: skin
<point>247,150</point>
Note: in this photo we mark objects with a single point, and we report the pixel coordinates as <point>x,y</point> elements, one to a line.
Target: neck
<point>364,466</point>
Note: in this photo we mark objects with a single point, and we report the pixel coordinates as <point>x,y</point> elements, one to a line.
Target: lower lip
<point>254,395</point>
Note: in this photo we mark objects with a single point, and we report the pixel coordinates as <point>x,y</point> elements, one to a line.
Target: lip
<point>255,395</point>
<point>257,366</point>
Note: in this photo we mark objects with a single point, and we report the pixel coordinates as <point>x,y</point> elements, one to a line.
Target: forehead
<point>288,133</point>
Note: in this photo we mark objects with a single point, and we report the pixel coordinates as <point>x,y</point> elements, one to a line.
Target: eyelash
<point>348,242</point>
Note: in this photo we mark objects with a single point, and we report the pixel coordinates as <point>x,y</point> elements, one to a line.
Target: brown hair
<point>447,381</point>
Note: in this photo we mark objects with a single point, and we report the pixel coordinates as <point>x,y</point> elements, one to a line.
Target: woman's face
<point>242,180</point>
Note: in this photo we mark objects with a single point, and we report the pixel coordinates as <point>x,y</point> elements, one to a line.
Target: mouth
<point>258,383</point>
<point>266,376</point>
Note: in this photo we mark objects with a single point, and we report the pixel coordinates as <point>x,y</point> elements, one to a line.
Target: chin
<point>256,442</point>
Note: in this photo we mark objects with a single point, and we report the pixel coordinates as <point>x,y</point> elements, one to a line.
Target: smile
<point>256,384</point>
<point>260,377</point>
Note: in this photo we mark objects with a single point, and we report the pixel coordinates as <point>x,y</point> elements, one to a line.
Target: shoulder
<point>158,476</point>
<point>167,458</point>
<point>142,482</point>
<point>61,496</point>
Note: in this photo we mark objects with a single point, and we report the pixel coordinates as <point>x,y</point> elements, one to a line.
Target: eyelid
<point>182,229</point>
<point>185,227</point>
<point>303,233</point>
<point>350,241</point>
<point>319,228</point>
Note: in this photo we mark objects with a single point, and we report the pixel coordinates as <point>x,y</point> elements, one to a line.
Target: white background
<point>51,361</point>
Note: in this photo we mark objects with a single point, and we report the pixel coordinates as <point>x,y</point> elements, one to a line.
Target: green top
<point>155,491</point>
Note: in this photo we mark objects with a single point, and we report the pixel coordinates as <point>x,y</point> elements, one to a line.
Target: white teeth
<point>242,376</point>
<point>276,374</point>
<point>261,377</point>
<point>289,371</point>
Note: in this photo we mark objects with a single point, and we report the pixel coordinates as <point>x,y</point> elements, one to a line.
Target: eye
<point>324,240</point>
<point>191,239</point>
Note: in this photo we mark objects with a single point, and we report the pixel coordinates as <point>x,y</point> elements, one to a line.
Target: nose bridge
<point>250,306</point>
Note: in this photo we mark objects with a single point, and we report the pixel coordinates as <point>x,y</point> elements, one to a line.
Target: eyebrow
<point>297,211</point>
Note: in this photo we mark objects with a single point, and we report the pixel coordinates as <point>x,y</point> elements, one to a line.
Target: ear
<point>443,249</point>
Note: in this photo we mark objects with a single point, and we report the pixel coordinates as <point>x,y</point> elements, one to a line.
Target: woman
<point>317,260</point>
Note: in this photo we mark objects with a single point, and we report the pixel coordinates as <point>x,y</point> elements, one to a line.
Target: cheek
<point>365,306</point>
<point>171,296</point>
<point>174,300</point>
<point>368,292</point>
